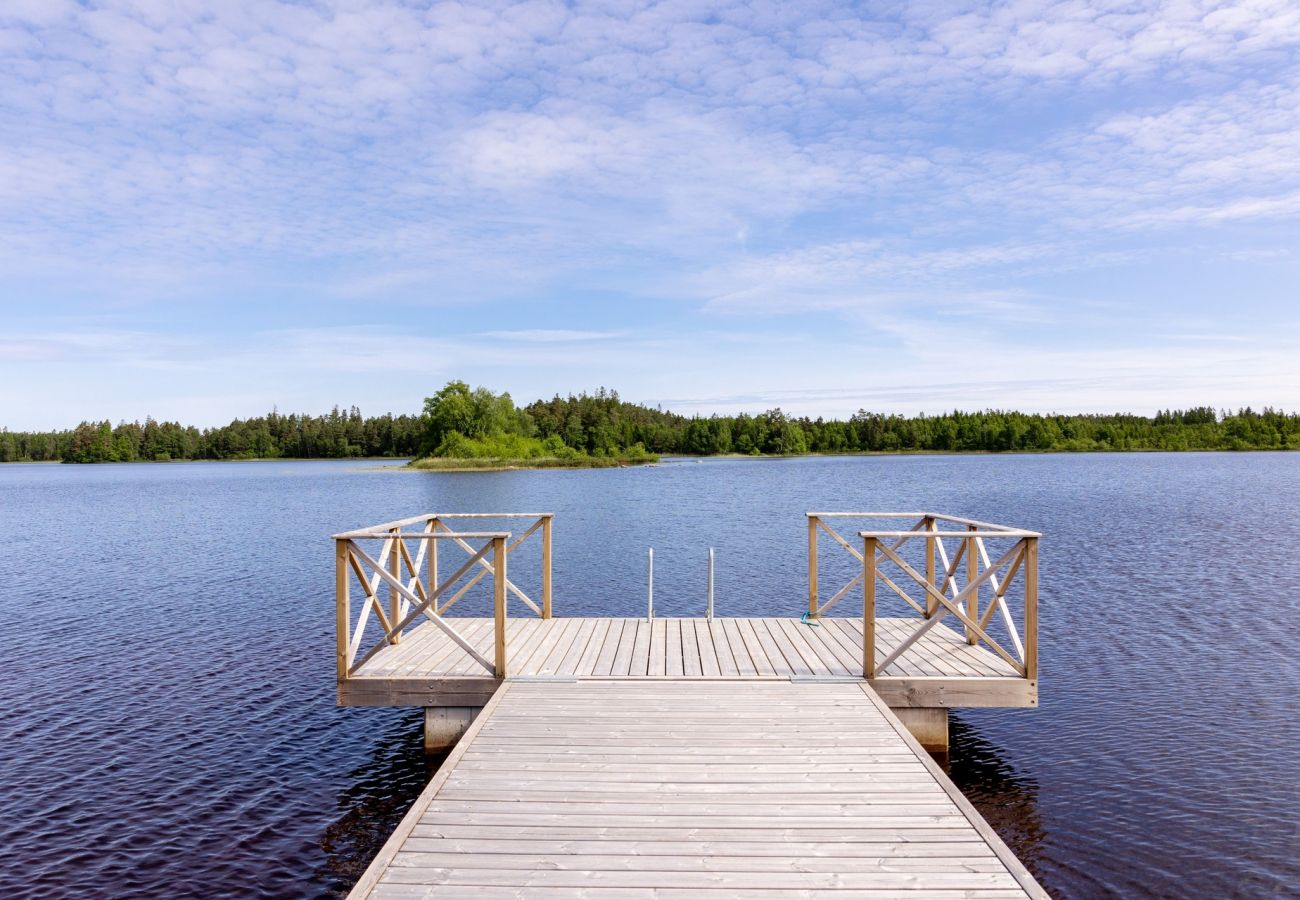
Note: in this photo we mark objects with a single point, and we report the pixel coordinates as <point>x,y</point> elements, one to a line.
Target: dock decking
<point>941,664</point>
<point>634,788</point>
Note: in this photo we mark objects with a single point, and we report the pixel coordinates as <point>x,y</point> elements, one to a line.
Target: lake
<point>167,718</point>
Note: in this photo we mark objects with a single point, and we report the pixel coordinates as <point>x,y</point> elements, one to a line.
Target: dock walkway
<point>702,789</point>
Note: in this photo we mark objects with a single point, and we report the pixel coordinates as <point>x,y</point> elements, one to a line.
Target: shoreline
<point>468,465</point>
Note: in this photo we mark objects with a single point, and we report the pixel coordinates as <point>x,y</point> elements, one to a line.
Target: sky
<point>209,208</point>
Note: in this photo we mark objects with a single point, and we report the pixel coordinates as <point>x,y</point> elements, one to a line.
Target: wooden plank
<point>722,647</point>
<point>605,661</point>
<point>534,649</point>
<point>622,664</point>
<point>957,692</point>
<point>890,634</point>
<point>566,632</point>
<point>971,851</point>
<point>708,654</point>
<point>829,636</point>
<point>674,648</point>
<point>541,892</point>
<point>640,660</point>
<point>435,652</point>
<point>568,665</point>
<point>763,665</point>
<point>657,652</point>
<point>798,638</point>
<point>388,659</point>
<point>692,662</point>
<point>439,856</point>
<point>736,644</point>
<point>586,664</point>
<point>901,837</point>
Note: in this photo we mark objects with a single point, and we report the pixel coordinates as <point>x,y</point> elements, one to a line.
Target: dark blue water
<point>167,724</point>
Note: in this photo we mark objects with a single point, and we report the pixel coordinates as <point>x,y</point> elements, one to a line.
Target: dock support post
<point>546,566</point>
<point>869,607</point>
<point>443,725</point>
<point>812,566</point>
<point>928,724</point>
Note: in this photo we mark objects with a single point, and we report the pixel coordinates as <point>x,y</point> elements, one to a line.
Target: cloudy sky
<point>209,207</point>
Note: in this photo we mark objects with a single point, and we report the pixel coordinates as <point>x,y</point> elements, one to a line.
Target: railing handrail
<point>426,517</point>
<point>939,517</point>
<point>417,535</point>
<point>1009,533</point>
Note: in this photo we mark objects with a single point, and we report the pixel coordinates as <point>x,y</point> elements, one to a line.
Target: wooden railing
<point>416,592</point>
<point>942,590</point>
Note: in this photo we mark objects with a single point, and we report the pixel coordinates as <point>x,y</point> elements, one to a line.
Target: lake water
<point>167,724</point>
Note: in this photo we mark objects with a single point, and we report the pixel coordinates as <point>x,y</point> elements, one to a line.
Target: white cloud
<point>906,173</point>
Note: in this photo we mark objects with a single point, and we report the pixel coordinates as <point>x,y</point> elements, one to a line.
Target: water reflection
<point>1007,799</point>
<point>378,794</point>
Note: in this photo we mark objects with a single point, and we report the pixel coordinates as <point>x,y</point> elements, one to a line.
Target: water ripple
<point>167,723</point>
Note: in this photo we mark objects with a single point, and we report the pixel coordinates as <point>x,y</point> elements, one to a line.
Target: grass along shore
<point>490,464</point>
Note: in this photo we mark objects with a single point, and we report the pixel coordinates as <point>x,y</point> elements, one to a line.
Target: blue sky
<point>210,208</point>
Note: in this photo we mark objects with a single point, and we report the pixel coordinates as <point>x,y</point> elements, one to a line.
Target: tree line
<point>338,434</point>
<point>460,422</point>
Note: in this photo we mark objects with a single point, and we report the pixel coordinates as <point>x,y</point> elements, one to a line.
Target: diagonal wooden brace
<point>953,605</point>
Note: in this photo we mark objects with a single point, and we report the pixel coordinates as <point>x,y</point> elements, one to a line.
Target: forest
<point>458,422</point>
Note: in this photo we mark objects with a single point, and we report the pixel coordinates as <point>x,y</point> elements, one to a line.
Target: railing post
<point>546,566</point>
<point>433,559</point>
<point>708,605</point>
<point>342,606</point>
<point>812,565</point>
<point>1031,607</point>
<point>394,569</point>
<point>972,572</point>
<point>499,602</point>
<point>931,604</point>
<point>869,608</point>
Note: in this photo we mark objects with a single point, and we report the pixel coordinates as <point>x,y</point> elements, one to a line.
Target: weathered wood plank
<point>696,788</point>
<point>675,649</point>
<point>605,661</point>
<point>587,663</point>
<point>622,664</point>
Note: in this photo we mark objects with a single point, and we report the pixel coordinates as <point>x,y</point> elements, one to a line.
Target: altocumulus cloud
<point>1034,177</point>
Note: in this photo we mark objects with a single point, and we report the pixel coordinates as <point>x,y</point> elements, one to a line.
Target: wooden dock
<point>692,757</point>
<point>637,788</point>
